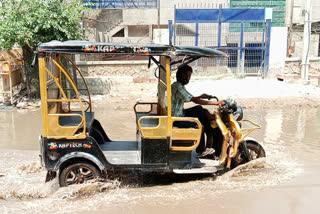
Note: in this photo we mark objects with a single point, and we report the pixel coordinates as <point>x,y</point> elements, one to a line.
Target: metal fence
<point>244,38</point>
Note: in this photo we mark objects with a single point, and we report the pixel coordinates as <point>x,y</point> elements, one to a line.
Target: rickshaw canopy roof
<point>78,47</point>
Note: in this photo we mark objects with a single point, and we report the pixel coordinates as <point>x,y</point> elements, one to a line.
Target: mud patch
<point>2,197</point>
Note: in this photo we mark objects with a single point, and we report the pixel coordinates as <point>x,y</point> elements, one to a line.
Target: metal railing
<point>245,39</point>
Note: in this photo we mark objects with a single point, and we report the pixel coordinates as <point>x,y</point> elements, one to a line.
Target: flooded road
<point>286,181</point>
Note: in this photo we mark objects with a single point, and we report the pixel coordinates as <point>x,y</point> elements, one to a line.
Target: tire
<point>255,150</point>
<point>78,173</point>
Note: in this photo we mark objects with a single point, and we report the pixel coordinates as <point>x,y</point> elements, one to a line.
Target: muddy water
<point>287,181</point>
<point>20,129</point>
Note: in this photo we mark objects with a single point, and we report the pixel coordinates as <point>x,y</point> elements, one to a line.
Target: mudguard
<point>253,141</point>
<point>82,155</point>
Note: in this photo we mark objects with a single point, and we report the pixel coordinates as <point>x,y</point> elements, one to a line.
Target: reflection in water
<point>290,139</point>
<point>273,128</point>
<point>293,131</point>
<point>301,119</point>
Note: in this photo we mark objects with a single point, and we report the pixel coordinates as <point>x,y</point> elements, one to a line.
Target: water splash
<point>31,168</point>
<point>86,190</point>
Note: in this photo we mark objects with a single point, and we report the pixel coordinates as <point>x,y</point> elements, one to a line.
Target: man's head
<point>184,74</point>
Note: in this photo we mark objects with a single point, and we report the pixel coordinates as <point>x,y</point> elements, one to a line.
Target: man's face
<point>186,77</point>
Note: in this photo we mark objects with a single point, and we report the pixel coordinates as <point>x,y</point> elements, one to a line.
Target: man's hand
<point>220,103</point>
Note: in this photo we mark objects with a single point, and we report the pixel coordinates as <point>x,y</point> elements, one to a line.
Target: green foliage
<point>27,23</point>
<point>31,22</point>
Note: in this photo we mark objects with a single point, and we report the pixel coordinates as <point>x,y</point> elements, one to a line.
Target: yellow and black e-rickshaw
<point>75,147</point>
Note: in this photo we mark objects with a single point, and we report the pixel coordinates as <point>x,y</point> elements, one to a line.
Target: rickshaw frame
<point>76,136</point>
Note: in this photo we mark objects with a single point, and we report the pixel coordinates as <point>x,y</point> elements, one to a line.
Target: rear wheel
<point>78,173</point>
<point>255,151</point>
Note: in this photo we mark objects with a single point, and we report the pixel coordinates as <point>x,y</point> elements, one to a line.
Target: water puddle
<point>290,141</point>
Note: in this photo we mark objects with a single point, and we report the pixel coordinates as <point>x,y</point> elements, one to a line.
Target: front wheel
<point>78,173</point>
<point>255,151</point>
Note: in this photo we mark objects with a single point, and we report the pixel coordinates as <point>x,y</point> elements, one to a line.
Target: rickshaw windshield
<point>67,114</point>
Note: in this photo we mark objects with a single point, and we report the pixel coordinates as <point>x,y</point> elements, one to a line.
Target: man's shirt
<point>179,96</point>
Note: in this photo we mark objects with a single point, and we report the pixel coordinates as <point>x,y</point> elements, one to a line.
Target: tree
<point>27,23</point>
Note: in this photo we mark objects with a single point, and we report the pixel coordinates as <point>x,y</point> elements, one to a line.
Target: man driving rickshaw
<point>179,96</point>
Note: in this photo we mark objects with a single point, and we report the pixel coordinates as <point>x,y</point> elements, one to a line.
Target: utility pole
<point>306,42</point>
<point>289,40</point>
<point>158,14</point>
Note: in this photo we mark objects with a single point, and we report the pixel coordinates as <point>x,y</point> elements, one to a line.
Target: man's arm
<point>200,100</point>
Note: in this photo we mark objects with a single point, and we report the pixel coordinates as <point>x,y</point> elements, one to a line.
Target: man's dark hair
<point>182,70</point>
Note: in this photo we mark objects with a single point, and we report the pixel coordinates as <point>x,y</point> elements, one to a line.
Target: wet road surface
<point>287,181</point>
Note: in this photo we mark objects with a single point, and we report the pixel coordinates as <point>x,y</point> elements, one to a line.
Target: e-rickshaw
<point>75,147</point>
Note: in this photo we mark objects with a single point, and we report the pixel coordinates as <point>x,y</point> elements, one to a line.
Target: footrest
<point>200,166</point>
